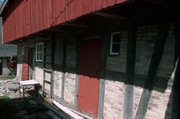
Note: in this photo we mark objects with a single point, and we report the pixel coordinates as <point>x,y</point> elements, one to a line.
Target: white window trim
<point>111,44</point>
<point>37,60</point>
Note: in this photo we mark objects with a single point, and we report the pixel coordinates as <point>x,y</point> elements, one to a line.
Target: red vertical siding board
<point>53,12</point>
<point>79,7</point>
<point>41,5</point>
<point>110,2</point>
<point>20,20</point>
<point>43,12</point>
<point>30,5</point>
<point>25,17</point>
<point>121,1</point>
<point>15,23</point>
<point>34,15</point>
<point>29,18</point>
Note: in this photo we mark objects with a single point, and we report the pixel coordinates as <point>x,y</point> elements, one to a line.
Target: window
<point>39,52</point>
<point>115,43</point>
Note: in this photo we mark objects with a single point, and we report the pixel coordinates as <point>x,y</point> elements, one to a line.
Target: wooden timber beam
<point>77,70</point>
<point>176,85</point>
<point>52,63</point>
<point>130,69</point>
<point>110,16</point>
<point>153,68</point>
<point>63,68</point>
<point>104,54</point>
<point>76,25</point>
<point>57,30</point>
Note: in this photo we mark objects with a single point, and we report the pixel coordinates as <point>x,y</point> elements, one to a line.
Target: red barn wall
<point>24,17</point>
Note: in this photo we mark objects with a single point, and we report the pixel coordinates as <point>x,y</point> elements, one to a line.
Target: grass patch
<point>7,108</point>
<point>3,77</point>
<point>4,98</point>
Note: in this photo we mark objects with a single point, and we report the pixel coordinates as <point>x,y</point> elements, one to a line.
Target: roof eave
<point>3,6</point>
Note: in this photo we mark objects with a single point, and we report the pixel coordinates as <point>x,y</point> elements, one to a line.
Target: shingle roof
<point>7,50</point>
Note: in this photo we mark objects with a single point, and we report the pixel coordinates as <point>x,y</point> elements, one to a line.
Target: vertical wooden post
<point>77,72</point>
<point>52,64</point>
<point>153,68</point>
<point>104,54</point>
<point>63,68</point>
<point>130,69</point>
<point>176,85</point>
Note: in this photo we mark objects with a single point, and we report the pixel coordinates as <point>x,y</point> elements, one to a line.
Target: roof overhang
<point>3,6</point>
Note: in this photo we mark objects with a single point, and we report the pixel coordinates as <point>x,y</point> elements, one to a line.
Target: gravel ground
<point>16,107</point>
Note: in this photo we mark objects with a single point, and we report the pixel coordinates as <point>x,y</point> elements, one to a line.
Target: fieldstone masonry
<point>69,92</point>
<point>57,83</point>
<point>113,100</point>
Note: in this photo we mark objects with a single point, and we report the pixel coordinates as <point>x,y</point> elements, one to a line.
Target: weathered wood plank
<point>153,68</point>
<point>130,69</point>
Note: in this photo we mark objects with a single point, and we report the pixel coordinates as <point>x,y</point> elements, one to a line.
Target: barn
<point>109,59</point>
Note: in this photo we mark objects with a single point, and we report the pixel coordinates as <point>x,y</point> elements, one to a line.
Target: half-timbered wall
<point>114,88</point>
<point>160,102</point>
<point>70,75</point>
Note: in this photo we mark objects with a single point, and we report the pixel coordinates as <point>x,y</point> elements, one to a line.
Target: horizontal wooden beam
<point>110,16</point>
<point>76,25</point>
<point>57,30</point>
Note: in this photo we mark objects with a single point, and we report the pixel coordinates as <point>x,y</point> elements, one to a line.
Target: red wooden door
<point>89,74</point>
<point>25,65</point>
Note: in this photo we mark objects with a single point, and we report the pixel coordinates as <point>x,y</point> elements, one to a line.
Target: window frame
<point>111,53</point>
<point>39,60</point>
